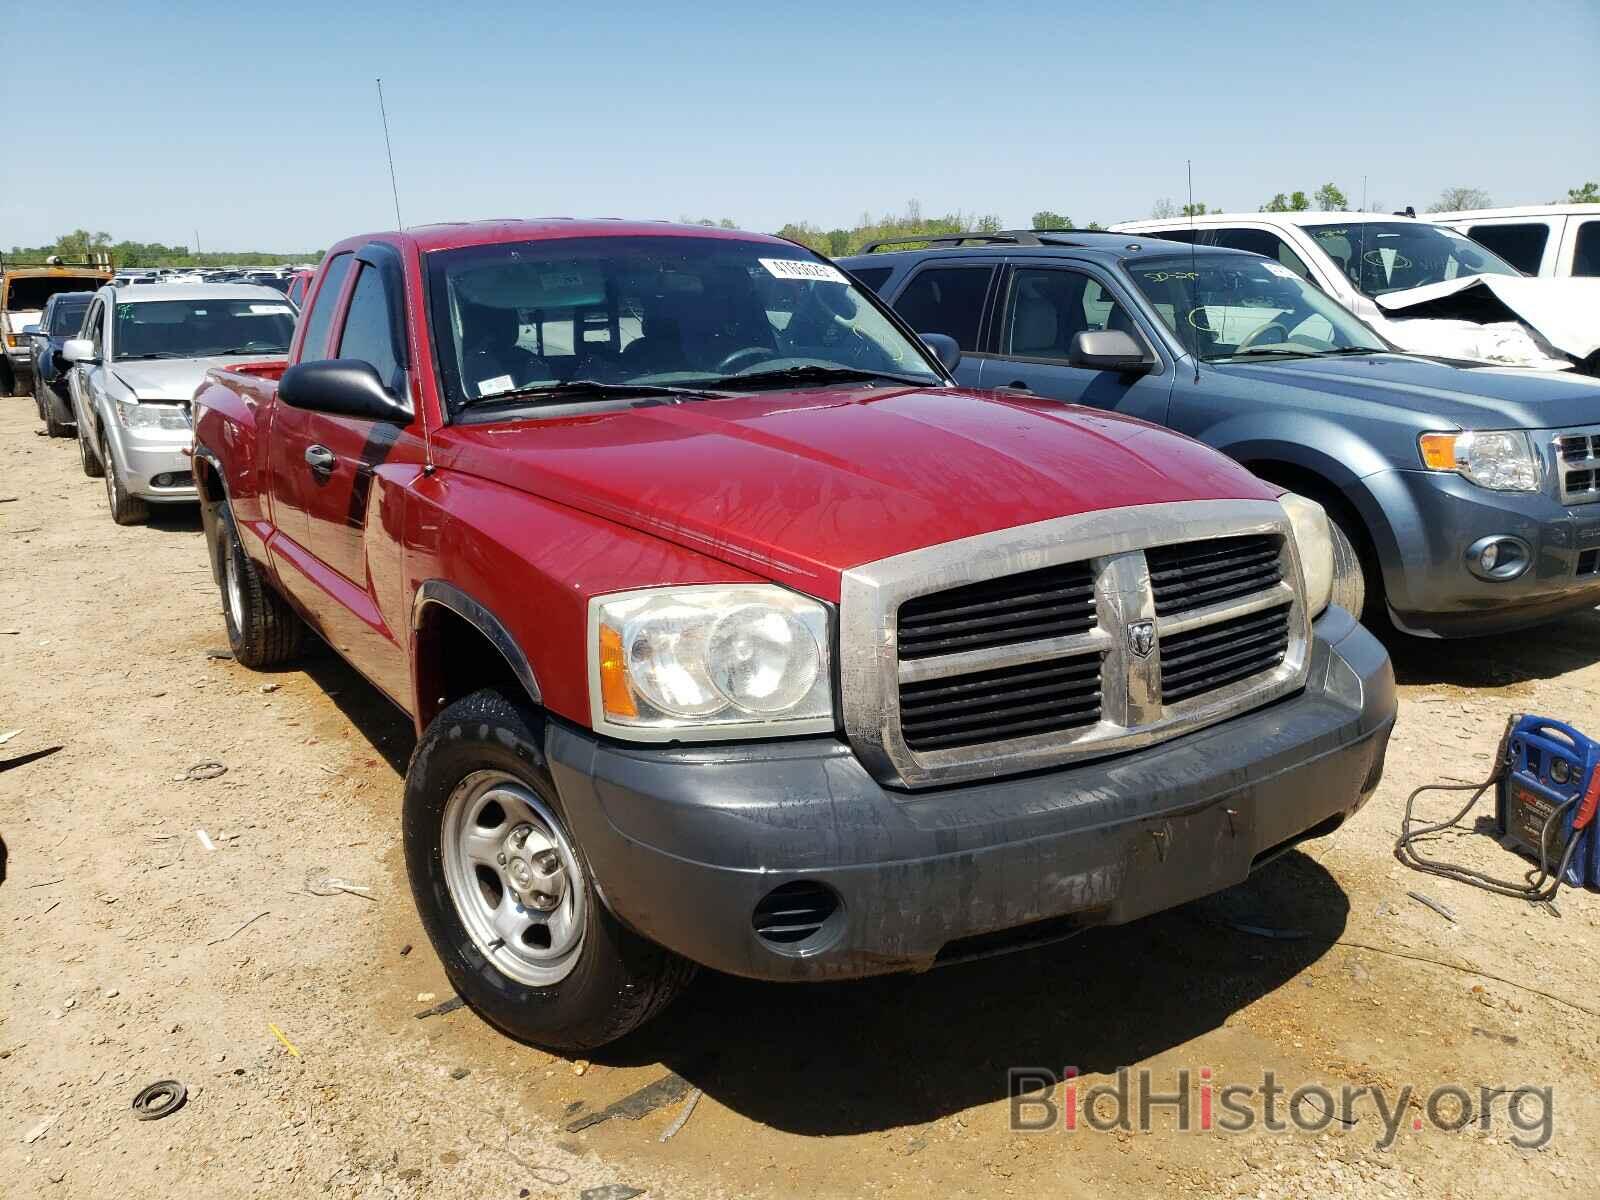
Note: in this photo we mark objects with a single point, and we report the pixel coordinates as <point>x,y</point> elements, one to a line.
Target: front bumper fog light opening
<point>801,917</point>
<point>1499,558</point>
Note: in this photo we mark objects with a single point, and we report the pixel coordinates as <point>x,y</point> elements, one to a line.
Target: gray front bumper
<point>684,842</point>
<point>1425,523</point>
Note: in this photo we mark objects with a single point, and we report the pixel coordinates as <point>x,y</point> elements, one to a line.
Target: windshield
<point>28,293</point>
<point>664,311</point>
<point>202,328</point>
<point>1391,256</point>
<point>1237,305</point>
<point>67,315</point>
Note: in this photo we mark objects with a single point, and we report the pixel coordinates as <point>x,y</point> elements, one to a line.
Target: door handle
<point>320,459</point>
<point>1016,385</point>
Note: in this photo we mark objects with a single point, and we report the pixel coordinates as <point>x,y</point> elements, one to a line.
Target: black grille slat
<point>1195,574</point>
<point>1008,702</point>
<point>1027,607</point>
<point>794,912</point>
<point>1213,656</point>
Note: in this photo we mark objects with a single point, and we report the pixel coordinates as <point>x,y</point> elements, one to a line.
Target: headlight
<point>134,415</point>
<point>1501,459</point>
<point>1309,521</point>
<point>712,661</point>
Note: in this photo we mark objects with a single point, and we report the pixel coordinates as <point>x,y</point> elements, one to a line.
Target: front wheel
<point>126,508</point>
<point>506,894</point>
<point>1349,573</point>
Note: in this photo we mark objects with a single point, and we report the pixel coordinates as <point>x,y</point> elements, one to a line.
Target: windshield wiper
<point>556,393</point>
<point>244,350</point>
<point>811,374</point>
<point>145,357</point>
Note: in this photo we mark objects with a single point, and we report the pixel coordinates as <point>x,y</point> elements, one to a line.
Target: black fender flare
<point>448,595</point>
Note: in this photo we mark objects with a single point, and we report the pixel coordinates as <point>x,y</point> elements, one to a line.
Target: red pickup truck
<point>736,634</point>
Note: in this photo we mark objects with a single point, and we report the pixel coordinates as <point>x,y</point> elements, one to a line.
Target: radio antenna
<point>388,149</point>
<point>1194,271</point>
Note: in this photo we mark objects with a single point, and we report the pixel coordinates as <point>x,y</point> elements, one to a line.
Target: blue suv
<point>1464,499</point>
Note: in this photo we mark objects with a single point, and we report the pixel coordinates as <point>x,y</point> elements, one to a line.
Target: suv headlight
<point>134,415</point>
<point>1500,459</point>
<point>1309,521</point>
<point>709,661</point>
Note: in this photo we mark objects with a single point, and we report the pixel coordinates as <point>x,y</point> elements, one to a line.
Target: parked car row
<point>814,621</point>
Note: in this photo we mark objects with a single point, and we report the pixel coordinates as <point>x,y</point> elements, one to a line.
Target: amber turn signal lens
<point>1438,451</point>
<point>614,691</point>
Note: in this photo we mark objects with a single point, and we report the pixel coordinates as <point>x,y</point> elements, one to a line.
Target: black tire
<point>618,981</point>
<point>8,379</point>
<point>47,411</point>
<point>126,509</point>
<point>263,631</point>
<point>1349,573</point>
<point>89,456</point>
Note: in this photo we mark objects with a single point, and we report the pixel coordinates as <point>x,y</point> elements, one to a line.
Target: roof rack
<point>1004,237</point>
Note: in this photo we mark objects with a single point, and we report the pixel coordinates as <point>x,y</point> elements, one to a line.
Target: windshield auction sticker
<point>808,272</point>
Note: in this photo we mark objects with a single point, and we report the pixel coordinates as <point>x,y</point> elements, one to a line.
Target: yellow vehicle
<point>24,288</point>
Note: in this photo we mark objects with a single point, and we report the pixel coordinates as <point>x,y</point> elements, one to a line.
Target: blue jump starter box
<point>1550,764</point>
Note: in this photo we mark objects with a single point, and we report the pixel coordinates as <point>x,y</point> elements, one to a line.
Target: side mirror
<point>1107,350</point>
<point>945,348</point>
<point>346,387</point>
<point>31,331</point>
<point>79,350</point>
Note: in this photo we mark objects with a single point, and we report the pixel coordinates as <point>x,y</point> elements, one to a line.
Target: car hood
<point>175,379</point>
<point>1564,312</point>
<point>800,486</point>
<point>1433,394</point>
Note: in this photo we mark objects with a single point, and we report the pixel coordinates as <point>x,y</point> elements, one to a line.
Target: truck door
<point>952,299</point>
<point>287,439</point>
<point>347,574</point>
<point>1044,306</point>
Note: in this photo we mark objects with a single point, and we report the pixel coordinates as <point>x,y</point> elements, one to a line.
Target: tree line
<point>81,243</point>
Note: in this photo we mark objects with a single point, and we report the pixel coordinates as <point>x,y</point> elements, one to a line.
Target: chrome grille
<point>1053,602</point>
<point>1069,639</point>
<point>1578,467</point>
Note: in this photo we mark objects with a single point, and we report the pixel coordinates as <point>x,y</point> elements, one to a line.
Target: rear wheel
<point>506,894</point>
<point>263,631</point>
<point>89,456</point>
<point>126,509</point>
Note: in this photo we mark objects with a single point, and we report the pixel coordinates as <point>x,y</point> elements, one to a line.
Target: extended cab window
<point>368,332</point>
<point>319,317</point>
<point>1520,245</point>
<point>1265,243</point>
<point>1586,253</point>
<point>1047,308</point>
<point>947,300</point>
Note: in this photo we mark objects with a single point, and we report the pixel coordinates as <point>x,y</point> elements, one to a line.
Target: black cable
<point>1539,890</point>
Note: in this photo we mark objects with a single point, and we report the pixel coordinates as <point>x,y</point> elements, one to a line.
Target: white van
<point>1553,240</point>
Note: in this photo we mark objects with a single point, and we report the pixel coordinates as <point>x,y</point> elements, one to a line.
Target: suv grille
<point>1054,602</point>
<point>1578,465</point>
<point>1069,639</point>
<point>1195,574</point>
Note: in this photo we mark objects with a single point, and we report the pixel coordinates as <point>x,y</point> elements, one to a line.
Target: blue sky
<point>257,124</point>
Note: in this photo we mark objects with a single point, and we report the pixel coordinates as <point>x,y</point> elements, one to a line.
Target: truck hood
<point>1564,312</point>
<point>1434,395</point>
<point>800,486</point>
<point>174,379</point>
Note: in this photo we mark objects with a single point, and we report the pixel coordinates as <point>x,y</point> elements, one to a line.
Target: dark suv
<point>1464,500</point>
<point>61,319</point>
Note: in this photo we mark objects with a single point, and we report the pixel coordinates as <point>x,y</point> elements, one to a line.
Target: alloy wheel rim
<point>230,575</point>
<point>514,878</point>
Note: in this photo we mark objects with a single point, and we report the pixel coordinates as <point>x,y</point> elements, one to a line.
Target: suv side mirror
<point>79,350</point>
<point>347,387</point>
<point>945,348</point>
<point>31,331</point>
<point>1107,350</point>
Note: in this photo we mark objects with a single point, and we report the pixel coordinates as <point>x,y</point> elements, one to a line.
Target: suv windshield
<point>202,328</point>
<point>1391,256</point>
<point>672,311</point>
<point>66,317</point>
<point>1240,305</point>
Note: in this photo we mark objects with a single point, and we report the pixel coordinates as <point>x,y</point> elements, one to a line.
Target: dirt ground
<point>154,927</point>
